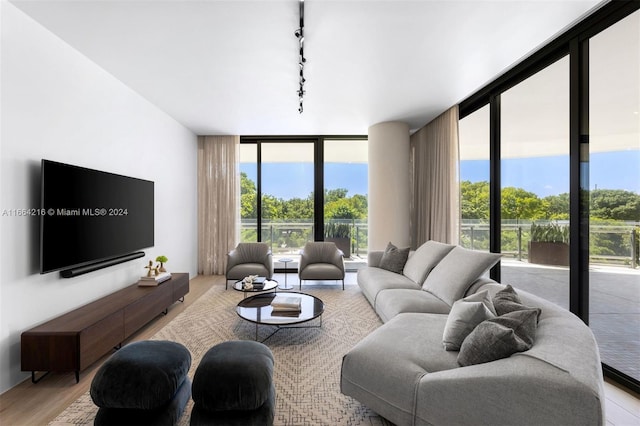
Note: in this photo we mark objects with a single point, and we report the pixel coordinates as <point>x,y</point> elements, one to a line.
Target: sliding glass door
<point>534,141</point>
<point>614,184</point>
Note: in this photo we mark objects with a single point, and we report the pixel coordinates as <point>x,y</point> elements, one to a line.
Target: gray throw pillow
<point>394,258</point>
<point>425,258</point>
<point>465,315</point>
<point>454,274</point>
<point>507,300</point>
<point>499,337</point>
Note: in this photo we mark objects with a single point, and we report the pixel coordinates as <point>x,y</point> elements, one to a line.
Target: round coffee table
<point>268,285</point>
<point>257,309</point>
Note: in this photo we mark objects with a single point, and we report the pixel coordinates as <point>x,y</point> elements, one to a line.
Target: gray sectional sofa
<point>403,372</point>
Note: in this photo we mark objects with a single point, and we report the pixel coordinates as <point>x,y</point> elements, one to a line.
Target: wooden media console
<point>77,339</point>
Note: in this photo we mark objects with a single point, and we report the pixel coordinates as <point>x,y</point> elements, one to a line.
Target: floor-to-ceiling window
<point>474,180</point>
<point>534,156</point>
<point>299,189</point>
<point>345,195</point>
<point>564,141</point>
<point>614,186</point>
<point>287,195</point>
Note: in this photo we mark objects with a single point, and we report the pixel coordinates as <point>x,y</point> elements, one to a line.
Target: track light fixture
<point>299,33</point>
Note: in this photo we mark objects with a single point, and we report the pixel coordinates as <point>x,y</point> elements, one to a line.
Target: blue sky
<point>542,175</point>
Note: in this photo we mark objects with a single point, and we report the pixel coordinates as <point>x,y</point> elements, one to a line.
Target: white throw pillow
<point>453,276</point>
<point>465,315</point>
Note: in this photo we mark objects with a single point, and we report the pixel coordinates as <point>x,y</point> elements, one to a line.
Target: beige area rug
<point>307,360</point>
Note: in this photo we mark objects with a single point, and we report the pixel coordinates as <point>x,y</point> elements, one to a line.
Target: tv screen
<point>89,216</point>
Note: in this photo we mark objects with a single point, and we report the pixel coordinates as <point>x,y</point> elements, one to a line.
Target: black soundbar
<point>74,272</point>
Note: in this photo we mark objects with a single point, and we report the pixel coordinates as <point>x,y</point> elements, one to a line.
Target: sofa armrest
<point>515,390</point>
<point>374,257</point>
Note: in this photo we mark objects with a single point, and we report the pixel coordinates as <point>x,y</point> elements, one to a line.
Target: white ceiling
<point>230,67</point>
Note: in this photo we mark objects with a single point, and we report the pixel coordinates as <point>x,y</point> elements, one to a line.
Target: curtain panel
<point>435,205</point>
<point>218,201</point>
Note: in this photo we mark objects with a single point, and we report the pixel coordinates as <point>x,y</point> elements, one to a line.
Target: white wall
<point>57,104</point>
<point>389,192</point>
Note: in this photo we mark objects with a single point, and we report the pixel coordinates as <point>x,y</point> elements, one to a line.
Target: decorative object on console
<point>162,260</point>
<point>154,279</point>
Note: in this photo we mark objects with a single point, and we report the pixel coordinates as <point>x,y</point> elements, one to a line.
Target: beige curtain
<point>435,207</point>
<point>218,201</point>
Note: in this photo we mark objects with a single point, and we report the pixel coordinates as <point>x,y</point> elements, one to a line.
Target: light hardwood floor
<point>38,404</point>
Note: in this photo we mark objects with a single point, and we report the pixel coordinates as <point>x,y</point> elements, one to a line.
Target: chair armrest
<point>233,259</point>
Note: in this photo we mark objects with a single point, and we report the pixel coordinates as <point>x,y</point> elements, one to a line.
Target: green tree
<point>474,200</point>
<point>331,195</point>
<point>520,204</point>
<point>615,204</point>
<point>558,206</point>
<point>248,195</point>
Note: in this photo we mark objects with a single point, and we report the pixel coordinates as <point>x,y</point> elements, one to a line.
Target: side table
<point>285,286</point>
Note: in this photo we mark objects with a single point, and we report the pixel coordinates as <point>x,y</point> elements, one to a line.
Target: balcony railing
<point>289,237</point>
<point>610,243</point>
<point>614,243</point>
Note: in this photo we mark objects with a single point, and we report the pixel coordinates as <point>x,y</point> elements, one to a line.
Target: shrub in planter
<point>340,234</point>
<point>549,244</point>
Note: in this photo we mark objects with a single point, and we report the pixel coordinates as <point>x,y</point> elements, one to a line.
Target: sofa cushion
<point>394,258</point>
<point>373,280</point>
<point>451,278</point>
<point>465,315</point>
<point>391,302</point>
<point>424,259</point>
<point>499,337</point>
<point>507,300</point>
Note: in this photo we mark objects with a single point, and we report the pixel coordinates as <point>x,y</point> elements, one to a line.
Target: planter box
<point>343,244</point>
<point>546,253</point>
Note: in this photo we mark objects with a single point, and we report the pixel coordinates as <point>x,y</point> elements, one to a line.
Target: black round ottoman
<point>143,383</point>
<point>233,385</point>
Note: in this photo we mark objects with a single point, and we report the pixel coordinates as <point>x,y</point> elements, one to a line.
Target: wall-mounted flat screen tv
<point>90,216</point>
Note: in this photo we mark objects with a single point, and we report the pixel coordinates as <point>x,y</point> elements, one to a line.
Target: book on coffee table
<point>286,304</point>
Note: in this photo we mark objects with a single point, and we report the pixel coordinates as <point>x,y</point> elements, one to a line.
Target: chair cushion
<point>143,375</point>
<point>425,258</point>
<point>234,375</point>
<point>242,270</point>
<point>321,271</point>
